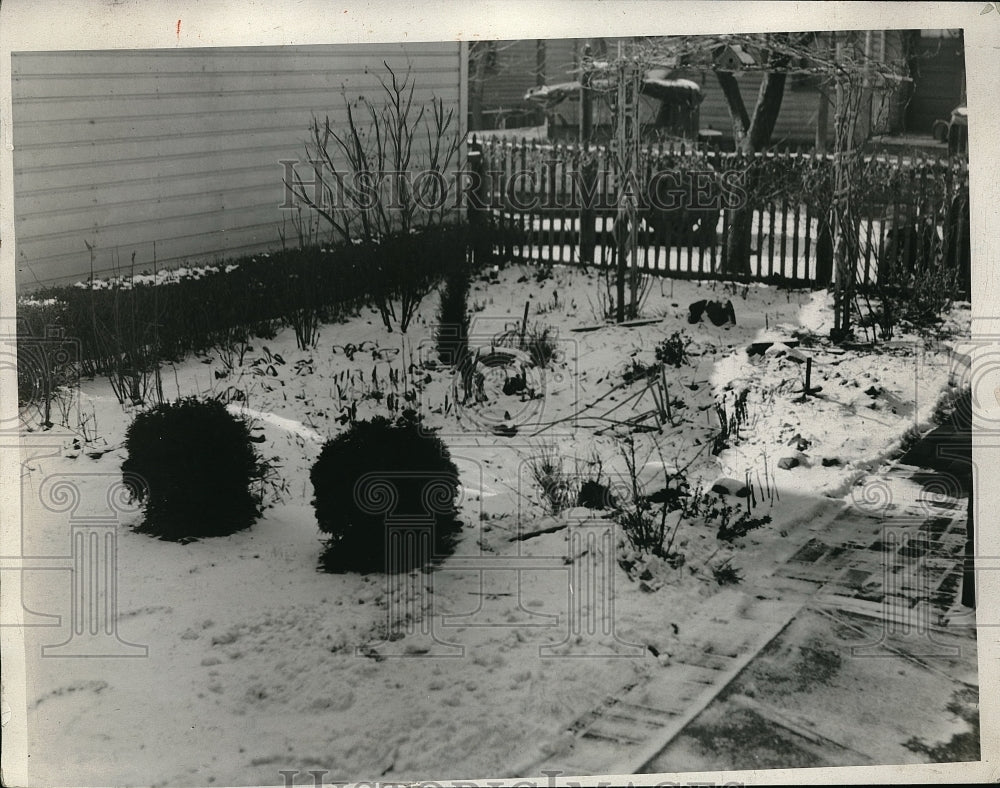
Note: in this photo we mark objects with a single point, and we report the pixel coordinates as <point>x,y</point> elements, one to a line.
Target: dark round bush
<point>191,463</point>
<point>375,476</point>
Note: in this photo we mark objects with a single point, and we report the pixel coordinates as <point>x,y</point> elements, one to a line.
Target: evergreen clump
<point>375,475</point>
<point>452,334</point>
<point>194,467</point>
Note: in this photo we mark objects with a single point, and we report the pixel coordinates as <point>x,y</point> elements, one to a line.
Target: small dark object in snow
<point>507,429</point>
<point>873,391</point>
<point>758,348</point>
<point>799,442</point>
<point>696,310</point>
<point>787,463</point>
<point>594,495</point>
<point>668,495</point>
<point>646,587</point>
<point>515,385</point>
<point>720,314</point>
<point>730,487</point>
<point>521,279</point>
<point>829,462</point>
<point>653,650</point>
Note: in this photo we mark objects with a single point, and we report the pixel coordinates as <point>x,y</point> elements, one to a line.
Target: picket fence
<point>556,203</point>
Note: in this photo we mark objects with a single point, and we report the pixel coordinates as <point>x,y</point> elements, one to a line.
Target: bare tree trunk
<point>737,109</point>
<point>477,78</point>
<point>752,135</point>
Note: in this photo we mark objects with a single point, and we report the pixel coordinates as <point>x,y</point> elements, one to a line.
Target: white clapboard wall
<point>121,149</point>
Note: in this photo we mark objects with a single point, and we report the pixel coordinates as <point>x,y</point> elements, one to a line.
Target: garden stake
<point>524,324</point>
<point>666,395</point>
<point>809,390</point>
<point>655,393</point>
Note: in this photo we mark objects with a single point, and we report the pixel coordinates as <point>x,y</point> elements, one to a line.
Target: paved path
<point>894,556</point>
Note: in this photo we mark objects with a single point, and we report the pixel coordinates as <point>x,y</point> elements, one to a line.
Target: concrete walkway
<point>882,579</point>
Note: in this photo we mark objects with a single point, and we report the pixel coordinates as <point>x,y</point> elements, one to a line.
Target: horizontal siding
<point>796,121</point>
<point>560,65</point>
<point>517,66</point>
<point>180,147</point>
<point>515,73</point>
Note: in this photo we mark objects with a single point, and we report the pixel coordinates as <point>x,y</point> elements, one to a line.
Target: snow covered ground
<point>257,663</point>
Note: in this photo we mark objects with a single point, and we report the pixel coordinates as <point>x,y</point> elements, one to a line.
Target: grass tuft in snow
<point>549,476</point>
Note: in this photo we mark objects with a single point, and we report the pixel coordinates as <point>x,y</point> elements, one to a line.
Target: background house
<point>934,59</point>
<point>937,64</point>
<point>180,148</point>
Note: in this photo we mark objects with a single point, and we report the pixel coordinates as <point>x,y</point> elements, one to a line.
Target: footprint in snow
<point>81,686</point>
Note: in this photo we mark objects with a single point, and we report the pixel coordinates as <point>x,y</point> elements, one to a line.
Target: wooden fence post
<point>586,101</point>
<point>478,207</point>
<point>587,178</point>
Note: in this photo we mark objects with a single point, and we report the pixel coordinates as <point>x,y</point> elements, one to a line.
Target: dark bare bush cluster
<point>195,468</point>
<point>674,350</point>
<point>651,522</point>
<point>374,473</point>
<point>47,364</point>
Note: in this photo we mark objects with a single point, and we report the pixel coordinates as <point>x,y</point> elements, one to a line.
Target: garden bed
<point>258,662</point>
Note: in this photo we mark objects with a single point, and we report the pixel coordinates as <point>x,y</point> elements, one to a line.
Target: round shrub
<point>191,463</point>
<point>374,476</point>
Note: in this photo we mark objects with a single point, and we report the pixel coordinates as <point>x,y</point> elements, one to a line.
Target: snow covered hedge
<point>194,309</point>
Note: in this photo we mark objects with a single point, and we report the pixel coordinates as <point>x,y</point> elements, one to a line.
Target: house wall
<point>797,121</point>
<point>180,148</point>
<point>940,82</point>
<point>516,71</point>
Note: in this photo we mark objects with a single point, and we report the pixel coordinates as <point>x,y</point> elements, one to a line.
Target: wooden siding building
<point>935,60</point>
<point>181,148</point>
